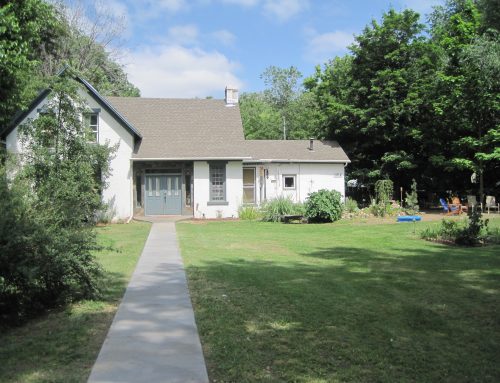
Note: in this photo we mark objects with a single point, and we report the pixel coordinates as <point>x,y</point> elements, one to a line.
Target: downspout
<point>131,194</point>
<point>298,183</point>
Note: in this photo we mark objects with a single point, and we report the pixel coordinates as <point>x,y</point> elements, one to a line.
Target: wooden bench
<point>289,218</point>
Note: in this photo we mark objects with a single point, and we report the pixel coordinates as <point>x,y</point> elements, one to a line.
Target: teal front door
<point>163,194</point>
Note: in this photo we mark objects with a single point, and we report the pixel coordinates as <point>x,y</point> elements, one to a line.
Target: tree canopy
<point>38,39</point>
<point>419,102</point>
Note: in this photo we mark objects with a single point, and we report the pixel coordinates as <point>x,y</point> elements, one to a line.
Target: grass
<point>63,345</point>
<point>342,303</point>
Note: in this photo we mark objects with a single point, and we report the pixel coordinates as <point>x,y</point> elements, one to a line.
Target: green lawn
<point>63,345</point>
<point>342,303</point>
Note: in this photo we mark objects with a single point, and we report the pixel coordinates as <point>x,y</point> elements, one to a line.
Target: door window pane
<point>188,190</point>
<point>248,185</point>
<point>150,186</point>
<point>157,186</point>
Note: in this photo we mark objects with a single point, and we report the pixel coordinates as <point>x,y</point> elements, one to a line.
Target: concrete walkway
<point>153,337</point>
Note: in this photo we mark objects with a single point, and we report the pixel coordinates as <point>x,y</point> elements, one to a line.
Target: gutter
<point>190,158</point>
<point>246,159</point>
<point>345,162</point>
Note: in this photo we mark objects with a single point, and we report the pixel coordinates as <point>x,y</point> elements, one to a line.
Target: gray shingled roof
<point>183,128</point>
<point>295,151</point>
<point>204,129</point>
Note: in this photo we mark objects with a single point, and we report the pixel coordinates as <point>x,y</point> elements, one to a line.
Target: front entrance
<point>163,194</point>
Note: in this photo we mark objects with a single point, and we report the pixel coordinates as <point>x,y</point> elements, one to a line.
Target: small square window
<point>289,182</point>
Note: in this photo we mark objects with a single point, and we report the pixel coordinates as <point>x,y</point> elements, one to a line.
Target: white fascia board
<point>192,159</point>
<point>302,161</point>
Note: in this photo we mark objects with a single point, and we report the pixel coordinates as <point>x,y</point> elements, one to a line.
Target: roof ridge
<point>164,98</point>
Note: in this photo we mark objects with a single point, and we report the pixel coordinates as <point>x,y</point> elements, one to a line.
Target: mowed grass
<point>62,346</point>
<point>342,303</point>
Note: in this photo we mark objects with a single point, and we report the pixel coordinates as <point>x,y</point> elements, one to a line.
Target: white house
<point>189,157</point>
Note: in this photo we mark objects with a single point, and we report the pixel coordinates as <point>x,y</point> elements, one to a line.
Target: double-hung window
<point>92,124</point>
<point>217,173</point>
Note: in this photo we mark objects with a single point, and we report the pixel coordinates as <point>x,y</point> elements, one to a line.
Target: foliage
<point>372,99</point>
<point>283,102</point>
<point>90,34</point>
<point>27,28</point>
<point>260,119</point>
<point>350,206</point>
<point>249,213</point>
<point>411,199</point>
<point>492,235</point>
<point>63,345</point>
<point>324,206</point>
<point>274,209</point>
<point>53,199</point>
<point>381,209</point>
<point>412,105</point>
<point>282,85</point>
<point>383,191</point>
<point>38,39</point>
<point>470,232</point>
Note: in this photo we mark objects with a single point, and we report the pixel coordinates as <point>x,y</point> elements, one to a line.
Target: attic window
<point>92,124</point>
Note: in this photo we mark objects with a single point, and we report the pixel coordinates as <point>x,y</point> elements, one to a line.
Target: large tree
<point>282,110</point>
<point>27,29</point>
<point>373,99</point>
<point>466,93</point>
<point>407,104</point>
<point>49,207</point>
<point>89,43</point>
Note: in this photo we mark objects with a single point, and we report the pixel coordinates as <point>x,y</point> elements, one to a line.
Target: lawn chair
<point>450,209</point>
<point>491,204</point>
<point>472,202</point>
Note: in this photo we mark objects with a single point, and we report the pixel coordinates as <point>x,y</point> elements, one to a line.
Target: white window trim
<point>96,112</point>
<point>253,185</point>
<point>294,176</point>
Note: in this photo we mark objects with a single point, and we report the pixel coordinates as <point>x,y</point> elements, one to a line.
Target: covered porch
<point>162,188</point>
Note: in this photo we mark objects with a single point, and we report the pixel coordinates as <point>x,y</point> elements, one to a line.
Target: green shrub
<point>381,209</point>
<point>492,235</point>
<point>412,200</point>
<point>383,191</point>
<point>246,212</point>
<point>48,210</point>
<point>449,229</point>
<point>324,206</point>
<point>430,233</point>
<point>351,206</point>
<point>274,209</point>
<point>470,232</point>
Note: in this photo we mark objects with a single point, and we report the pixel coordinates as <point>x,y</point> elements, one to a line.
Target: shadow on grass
<point>359,315</point>
<point>62,344</point>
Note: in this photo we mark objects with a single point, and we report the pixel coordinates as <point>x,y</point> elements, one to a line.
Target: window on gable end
<point>91,121</point>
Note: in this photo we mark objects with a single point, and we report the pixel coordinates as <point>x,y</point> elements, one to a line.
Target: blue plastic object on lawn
<point>409,218</point>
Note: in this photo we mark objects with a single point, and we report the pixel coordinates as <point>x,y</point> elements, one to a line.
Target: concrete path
<point>153,337</point>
